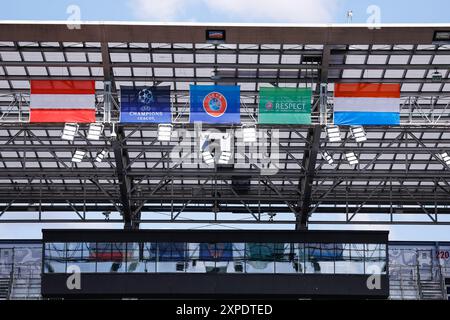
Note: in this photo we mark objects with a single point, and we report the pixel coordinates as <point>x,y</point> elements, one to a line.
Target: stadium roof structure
<point>400,179</point>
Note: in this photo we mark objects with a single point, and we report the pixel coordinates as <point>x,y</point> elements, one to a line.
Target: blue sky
<point>295,11</point>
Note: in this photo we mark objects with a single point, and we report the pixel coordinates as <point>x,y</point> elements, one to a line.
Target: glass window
<point>215,257</point>
<point>110,257</point>
<point>321,257</point>
<point>375,259</point>
<point>148,258</point>
<point>135,261</point>
<point>79,254</point>
<point>287,262</point>
<point>55,258</point>
<point>170,256</point>
<point>352,259</point>
<point>261,256</point>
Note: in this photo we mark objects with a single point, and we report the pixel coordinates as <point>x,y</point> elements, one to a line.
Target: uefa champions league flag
<point>366,104</point>
<point>145,105</point>
<point>215,104</point>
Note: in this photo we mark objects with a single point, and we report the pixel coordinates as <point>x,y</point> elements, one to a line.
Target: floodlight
<point>351,158</point>
<point>69,132</point>
<point>78,155</point>
<point>207,157</point>
<point>333,133</point>
<point>100,156</point>
<point>164,132</point>
<point>249,134</point>
<point>225,157</point>
<point>445,157</point>
<point>358,133</point>
<point>327,157</point>
<point>95,131</point>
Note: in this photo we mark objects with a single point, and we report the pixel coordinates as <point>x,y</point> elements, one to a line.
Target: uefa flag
<point>366,104</point>
<point>62,101</point>
<point>215,104</point>
<point>145,105</point>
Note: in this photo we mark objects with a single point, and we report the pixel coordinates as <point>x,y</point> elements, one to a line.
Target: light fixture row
<point>334,133</point>
<point>71,129</point>
<point>79,155</point>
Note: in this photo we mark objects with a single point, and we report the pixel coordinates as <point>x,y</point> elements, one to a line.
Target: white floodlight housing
<point>164,132</point>
<point>334,134</point>
<point>69,132</point>
<point>101,155</point>
<point>351,158</point>
<point>327,157</point>
<point>358,133</point>
<point>95,131</point>
<point>78,156</point>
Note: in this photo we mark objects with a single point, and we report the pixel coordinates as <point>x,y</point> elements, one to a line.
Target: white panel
<point>54,56</point>
<point>10,56</point>
<point>32,56</point>
<point>76,56</point>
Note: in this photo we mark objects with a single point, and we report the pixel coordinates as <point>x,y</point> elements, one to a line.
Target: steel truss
<point>400,179</point>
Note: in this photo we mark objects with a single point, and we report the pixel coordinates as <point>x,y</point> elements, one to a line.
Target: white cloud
<point>157,10</point>
<point>294,11</point>
<point>288,11</point>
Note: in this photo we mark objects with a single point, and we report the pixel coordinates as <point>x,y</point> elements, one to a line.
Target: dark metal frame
<point>400,180</point>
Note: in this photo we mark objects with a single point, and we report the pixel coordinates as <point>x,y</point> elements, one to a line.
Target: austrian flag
<point>62,101</point>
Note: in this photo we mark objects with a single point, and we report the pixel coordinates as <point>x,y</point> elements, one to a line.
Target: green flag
<point>285,106</point>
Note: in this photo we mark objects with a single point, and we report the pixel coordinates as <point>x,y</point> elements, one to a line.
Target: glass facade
<point>178,257</point>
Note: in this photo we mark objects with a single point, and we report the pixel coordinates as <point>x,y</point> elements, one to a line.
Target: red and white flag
<point>62,101</point>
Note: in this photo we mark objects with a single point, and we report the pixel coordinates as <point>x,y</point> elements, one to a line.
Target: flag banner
<point>284,106</point>
<point>366,104</point>
<point>62,101</point>
<point>216,251</point>
<point>215,104</point>
<point>145,105</point>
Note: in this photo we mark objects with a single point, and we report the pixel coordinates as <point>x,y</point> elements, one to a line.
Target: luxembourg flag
<point>62,101</point>
<point>366,104</point>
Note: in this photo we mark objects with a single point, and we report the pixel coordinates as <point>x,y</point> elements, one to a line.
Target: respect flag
<point>62,101</point>
<point>215,104</point>
<point>145,105</point>
<point>284,106</point>
<point>366,104</point>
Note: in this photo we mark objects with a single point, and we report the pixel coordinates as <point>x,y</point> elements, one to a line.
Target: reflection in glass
<point>170,256</point>
<point>55,258</point>
<point>287,262</point>
<point>269,258</point>
<point>78,254</point>
<point>352,260</point>
<point>110,257</point>
<point>261,256</point>
<point>216,256</point>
